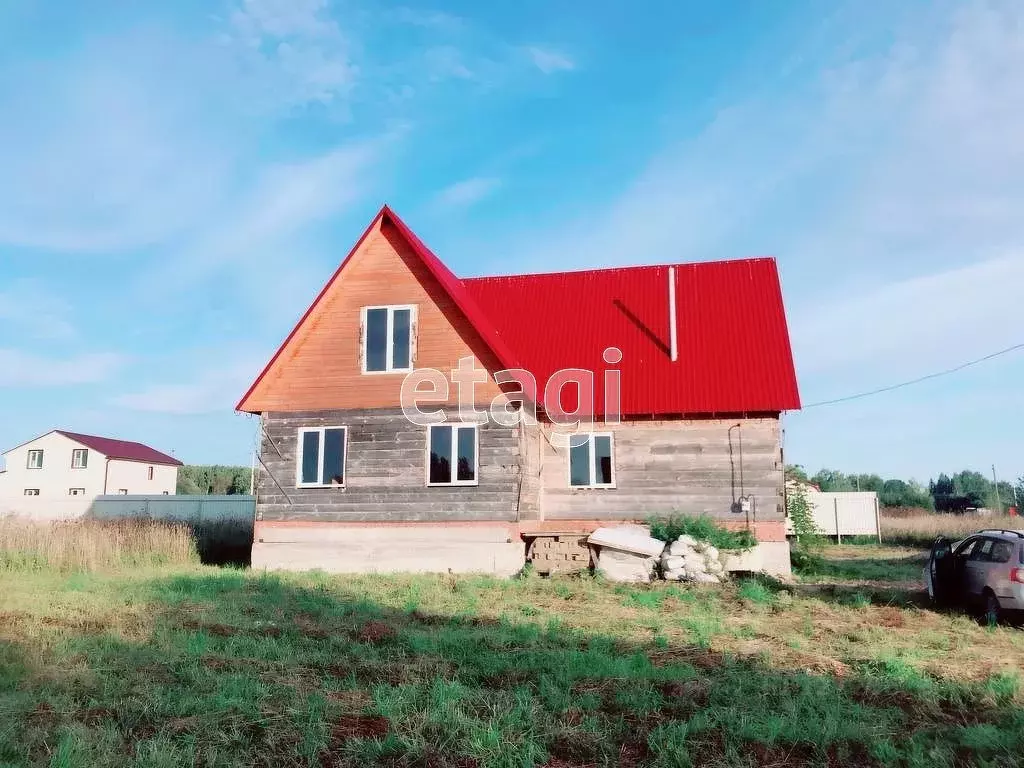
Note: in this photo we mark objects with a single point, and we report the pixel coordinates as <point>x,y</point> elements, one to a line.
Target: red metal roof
<point>121,449</point>
<point>734,353</point>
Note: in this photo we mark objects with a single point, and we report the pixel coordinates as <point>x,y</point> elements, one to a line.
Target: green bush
<point>805,561</point>
<point>702,528</point>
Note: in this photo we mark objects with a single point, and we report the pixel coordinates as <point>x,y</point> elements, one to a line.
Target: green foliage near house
<point>702,528</point>
<point>213,480</point>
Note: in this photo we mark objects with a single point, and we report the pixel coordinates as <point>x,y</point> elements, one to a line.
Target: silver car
<point>983,571</point>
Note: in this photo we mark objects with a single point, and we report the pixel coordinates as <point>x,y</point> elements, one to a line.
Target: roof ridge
<point>625,268</point>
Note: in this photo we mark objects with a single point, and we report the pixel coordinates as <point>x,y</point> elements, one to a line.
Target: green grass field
<point>188,665</point>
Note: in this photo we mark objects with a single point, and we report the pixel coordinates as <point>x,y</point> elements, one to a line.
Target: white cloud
<point>900,163</point>
<point>911,325</point>
<point>550,61</point>
<point>215,388</point>
<point>285,200</point>
<point>437,20</point>
<point>446,62</point>
<point>297,46</point>
<point>29,310</point>
<point>24,369</point>
<point>466,192</point>
<point>100,164</point>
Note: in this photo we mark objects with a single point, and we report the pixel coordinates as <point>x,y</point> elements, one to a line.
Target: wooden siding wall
<point>664,467</point>
<point>385,473</point>
<point>320,367</point>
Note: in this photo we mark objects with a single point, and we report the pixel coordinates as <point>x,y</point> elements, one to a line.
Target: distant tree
<point>973,486</point>
<point>797,473</point>
<point>899,493</point>
<point>831,480</point>
<point>867,483</point>
<point>213,480</point>
<point>1018,493</point>
<point>942,487</point>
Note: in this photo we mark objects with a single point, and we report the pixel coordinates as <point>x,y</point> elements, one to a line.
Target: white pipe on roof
<point>672,313</point>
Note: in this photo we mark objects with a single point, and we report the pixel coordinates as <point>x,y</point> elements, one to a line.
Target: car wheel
<point>992,613</point>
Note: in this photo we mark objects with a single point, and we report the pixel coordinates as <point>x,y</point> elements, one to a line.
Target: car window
<point>1001,552</point>
<point>966,548</point>
<point>982,550</point>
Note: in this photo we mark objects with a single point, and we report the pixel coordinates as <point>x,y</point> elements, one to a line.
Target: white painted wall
<point>56,476</point>
<point>134,477</point>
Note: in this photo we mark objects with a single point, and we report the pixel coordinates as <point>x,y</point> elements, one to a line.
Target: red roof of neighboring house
<point>121,449</point>
<point>734,353</point>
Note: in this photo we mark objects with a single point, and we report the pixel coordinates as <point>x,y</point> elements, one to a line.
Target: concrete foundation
<point>389,549</point>
<point>773,558</point>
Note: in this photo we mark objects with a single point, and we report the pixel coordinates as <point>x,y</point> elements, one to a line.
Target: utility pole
<point>999,503</point>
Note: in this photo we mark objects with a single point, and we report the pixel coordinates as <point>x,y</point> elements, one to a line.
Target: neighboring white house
<point>67,469</point>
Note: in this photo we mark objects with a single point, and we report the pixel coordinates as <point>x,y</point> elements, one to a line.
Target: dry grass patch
<point>921,530</point>
<point>93,545</point>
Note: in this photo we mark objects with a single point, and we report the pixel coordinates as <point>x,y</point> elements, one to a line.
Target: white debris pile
<point>626,553</point>
<point>687,559</point>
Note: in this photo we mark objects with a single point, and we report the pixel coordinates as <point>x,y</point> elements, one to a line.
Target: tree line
<point>959,492</point>
<point>213,480</point>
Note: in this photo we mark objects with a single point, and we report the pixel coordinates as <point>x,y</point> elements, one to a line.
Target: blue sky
<point>179,181</point>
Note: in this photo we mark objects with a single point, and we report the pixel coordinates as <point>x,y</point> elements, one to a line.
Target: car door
<point>958,589</point>
<point>976,567</point>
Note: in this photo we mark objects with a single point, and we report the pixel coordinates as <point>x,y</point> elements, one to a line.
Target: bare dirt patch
<point>374,632</point>
<point>349,727</point>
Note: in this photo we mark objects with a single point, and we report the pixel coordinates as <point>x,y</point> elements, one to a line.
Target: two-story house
<point>61,466</point>
<point>413,420</point>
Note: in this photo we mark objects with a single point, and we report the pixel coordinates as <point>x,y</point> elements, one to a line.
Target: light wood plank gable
<point>319,367</point>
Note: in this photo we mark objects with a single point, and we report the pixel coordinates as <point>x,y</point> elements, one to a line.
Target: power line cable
<point>929,377</point>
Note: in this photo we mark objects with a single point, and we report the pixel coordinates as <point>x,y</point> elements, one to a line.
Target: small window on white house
<point>150,473</point>
<point>31,491</point>
<point>452,454</point>
<point>388,339</point>
<point>76,491</point>
<point>591,463</point>
<point>35,459</point>
<point>321,457</point>
<point>80,458</point>
<point>122,491</point>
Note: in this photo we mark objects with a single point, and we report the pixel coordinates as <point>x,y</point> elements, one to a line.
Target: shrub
<point>702,528</point>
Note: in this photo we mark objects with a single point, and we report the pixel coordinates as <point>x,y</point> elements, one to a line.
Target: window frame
<point>150,473</point>
<point>591,442</point>
<point>454,425</point>
<point>320,464</point>
<point>364,331</point>
<point>32,452</point>
<point>35,492</point>
<point>84,453</point>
